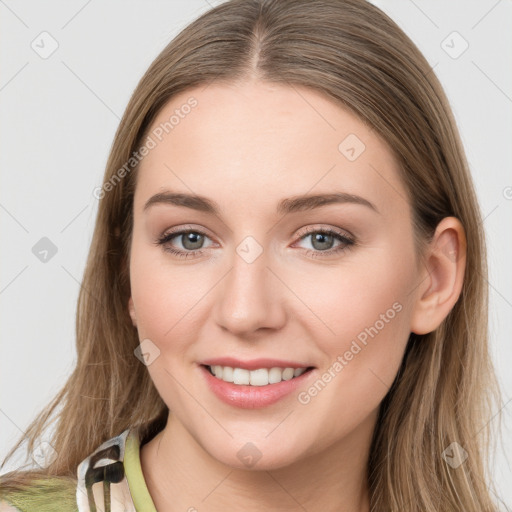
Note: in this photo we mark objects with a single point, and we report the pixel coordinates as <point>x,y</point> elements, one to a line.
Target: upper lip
<point>253,364</point>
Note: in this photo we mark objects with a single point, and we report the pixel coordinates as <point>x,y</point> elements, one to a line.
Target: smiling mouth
<point>258,377</point>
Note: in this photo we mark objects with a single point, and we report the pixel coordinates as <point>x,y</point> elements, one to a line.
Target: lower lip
<point>252,397</point>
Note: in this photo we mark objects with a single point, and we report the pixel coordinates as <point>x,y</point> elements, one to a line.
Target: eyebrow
<point>285,206</point>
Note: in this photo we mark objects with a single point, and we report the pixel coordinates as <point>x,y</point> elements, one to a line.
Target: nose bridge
<point>250,298</point>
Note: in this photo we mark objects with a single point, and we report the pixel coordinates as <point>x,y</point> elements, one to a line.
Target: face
<point>257,276</point>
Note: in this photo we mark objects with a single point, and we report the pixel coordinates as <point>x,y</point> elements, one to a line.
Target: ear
<point>131,309</point>
<point>442,276</point>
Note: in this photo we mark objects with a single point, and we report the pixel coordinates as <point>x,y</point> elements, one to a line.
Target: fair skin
<point>247,147</point>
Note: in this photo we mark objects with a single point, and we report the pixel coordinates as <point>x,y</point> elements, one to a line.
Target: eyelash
<point>347,243</point>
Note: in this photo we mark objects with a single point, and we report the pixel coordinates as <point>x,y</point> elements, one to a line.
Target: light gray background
<point>59,115</point>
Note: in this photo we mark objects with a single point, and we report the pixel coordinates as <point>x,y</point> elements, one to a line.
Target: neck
<point>181,475</point>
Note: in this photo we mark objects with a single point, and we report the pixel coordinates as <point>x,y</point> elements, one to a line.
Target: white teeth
<point>288,373</point>
<point>298,371</point>
<point>259,377</point>
<point>275,375</point>
<point>240,376</point>
<point>227,374</point>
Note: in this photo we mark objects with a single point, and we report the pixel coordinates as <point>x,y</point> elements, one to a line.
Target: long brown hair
<point>352,52</point>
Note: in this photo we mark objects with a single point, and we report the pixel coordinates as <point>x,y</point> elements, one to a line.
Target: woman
<point>284,305</point>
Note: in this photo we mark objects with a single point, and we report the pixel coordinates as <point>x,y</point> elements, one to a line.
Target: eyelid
<point>185,228</point>
<point>301,234</point>
<point>315,228</point>
<point>346,240</point>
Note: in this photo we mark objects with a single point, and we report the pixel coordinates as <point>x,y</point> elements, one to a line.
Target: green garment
<point>108,480</point>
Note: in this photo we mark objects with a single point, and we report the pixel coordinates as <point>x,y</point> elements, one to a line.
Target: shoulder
<point>44,494</point>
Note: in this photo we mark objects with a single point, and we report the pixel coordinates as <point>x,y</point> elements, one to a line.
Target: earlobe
<point>442,278</point>
<point>131,309</point>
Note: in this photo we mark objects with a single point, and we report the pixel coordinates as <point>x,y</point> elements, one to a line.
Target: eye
<point>323,242</point>
<point>191,241</point>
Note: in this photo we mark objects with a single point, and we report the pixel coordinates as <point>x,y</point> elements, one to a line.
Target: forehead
<point>259,142</point>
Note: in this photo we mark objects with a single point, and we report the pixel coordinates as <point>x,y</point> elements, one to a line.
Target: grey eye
<point>322,241</point>
<point>191,240</point>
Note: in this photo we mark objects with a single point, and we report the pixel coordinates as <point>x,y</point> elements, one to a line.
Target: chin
<point>255,455</point>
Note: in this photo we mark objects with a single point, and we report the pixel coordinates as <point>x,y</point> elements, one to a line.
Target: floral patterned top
<point>109,480</point>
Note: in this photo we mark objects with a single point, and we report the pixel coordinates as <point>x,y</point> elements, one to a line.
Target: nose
<point>250,297</point>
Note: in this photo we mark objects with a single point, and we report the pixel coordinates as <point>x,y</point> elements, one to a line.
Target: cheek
<point>369,314</point>
<point>365,311</point>
<point>165,298</point>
